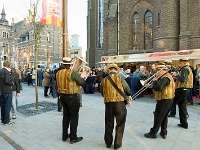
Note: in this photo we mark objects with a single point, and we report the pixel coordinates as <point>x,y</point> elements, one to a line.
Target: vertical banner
<point>17,53</point>
<point>48,58</point>
<point>52,12</point>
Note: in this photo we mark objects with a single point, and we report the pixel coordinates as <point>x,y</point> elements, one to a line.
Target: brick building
<point>5,38</point>
<point>144,26</point>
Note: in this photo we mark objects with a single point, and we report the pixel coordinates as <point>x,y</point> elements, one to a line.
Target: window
<point>100,23</point>
<point>7,35</point>
<point>148,31</point>
<point>136,31</point>
<point>159,19</point>
<point>48,37</point>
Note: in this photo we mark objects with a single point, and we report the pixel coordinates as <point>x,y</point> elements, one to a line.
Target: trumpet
<point>147,83</point>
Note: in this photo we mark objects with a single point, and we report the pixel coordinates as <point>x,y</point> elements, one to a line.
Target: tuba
<point>80,66</point>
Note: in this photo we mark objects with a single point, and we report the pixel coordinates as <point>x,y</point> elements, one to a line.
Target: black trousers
<point>195,86</point>
<point>71,105</point>
<point>160,116</point>
<point>59,103</point>
<point>181,99</point>
<point>119,111</point>
<point>46,88</point>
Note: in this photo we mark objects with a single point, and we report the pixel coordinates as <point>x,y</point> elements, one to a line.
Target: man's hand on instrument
<point>174,74</point>
<point>155,79</point>
<point>129,101</point>
<point>148,85</point>
<point>83,75</point>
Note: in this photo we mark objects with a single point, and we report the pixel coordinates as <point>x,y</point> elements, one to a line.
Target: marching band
<point>170,88</point>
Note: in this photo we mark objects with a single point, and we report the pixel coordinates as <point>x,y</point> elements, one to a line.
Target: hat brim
<point>112,66</point>
<point>66,63</point>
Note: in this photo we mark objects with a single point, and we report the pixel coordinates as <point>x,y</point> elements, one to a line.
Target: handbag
<point>118,90</point>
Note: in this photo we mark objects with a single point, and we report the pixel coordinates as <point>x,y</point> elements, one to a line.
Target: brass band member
<point>114,106</point>
<point>164,87</point>
<point>184,81</point>
<point>69,82</point>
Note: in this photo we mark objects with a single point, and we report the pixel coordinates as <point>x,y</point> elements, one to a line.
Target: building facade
<point>17,42</point>
<point>49,44</point>
<point>5,37</point>
<point>74,46</point>
<point>144,26</point>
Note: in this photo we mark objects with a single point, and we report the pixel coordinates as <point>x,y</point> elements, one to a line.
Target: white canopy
<point>152,57</point>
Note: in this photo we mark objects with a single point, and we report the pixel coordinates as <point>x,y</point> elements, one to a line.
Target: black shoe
<point>150,135</point>
<point>59,110</point>
<point>117,146</point>
<point>108,146</point>
<point>164,136</point>
<point>185,127</point>
<point>170,115</point>
<point>78,139</point>
<point>64,138</point>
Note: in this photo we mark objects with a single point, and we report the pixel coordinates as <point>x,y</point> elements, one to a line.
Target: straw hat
<point>112,66</point>
<point>66,61</point>
<point>159,67</point>
<point>184,59</point>
<point>168,62</point>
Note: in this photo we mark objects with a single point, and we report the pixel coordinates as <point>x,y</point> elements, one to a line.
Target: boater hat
<point>184,59</point>
<point>159,67</point>
<point>66,61</point>
<point>112,66</point>
<point>168,62</point>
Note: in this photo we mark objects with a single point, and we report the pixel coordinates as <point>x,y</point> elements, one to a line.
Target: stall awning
<point>152,57</point>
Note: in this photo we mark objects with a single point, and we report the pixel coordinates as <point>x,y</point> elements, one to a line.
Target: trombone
<point>146,84</point>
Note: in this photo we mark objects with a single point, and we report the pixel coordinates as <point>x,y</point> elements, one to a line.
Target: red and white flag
<point>52,12</point>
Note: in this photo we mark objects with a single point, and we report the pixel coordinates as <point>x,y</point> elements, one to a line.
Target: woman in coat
<point>46,82</point>
<point>16,91</point>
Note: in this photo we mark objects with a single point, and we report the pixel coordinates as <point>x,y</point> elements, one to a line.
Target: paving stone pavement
<point>43,131</point>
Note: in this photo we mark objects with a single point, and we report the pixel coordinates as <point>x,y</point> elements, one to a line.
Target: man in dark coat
<point>6,83</point>
<point>40,77</point>
<point>100,75</point>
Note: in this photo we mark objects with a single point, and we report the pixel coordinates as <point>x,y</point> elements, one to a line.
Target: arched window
<point>136,31</point>
<point>148,31</point>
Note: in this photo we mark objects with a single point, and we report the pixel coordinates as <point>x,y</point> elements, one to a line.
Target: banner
<point>3,53</point>
<point>52,12</point>
<point>28,54</point>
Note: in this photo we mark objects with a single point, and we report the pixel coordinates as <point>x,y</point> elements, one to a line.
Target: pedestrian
<point>196,80</point>
<point>184,82</point>
<point>15,92</point>
<point>19,72</point>
<point>58,100</point>
<point>40,76</point>
<point>164,87</point>
<point>53,85</point>
<point>68,83</point>
<point>29,76</point>
<point>46,82</point>
<point>33,76</point>
<point>99,75</point>
<point>115,106</point>
<point>6,84</point>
